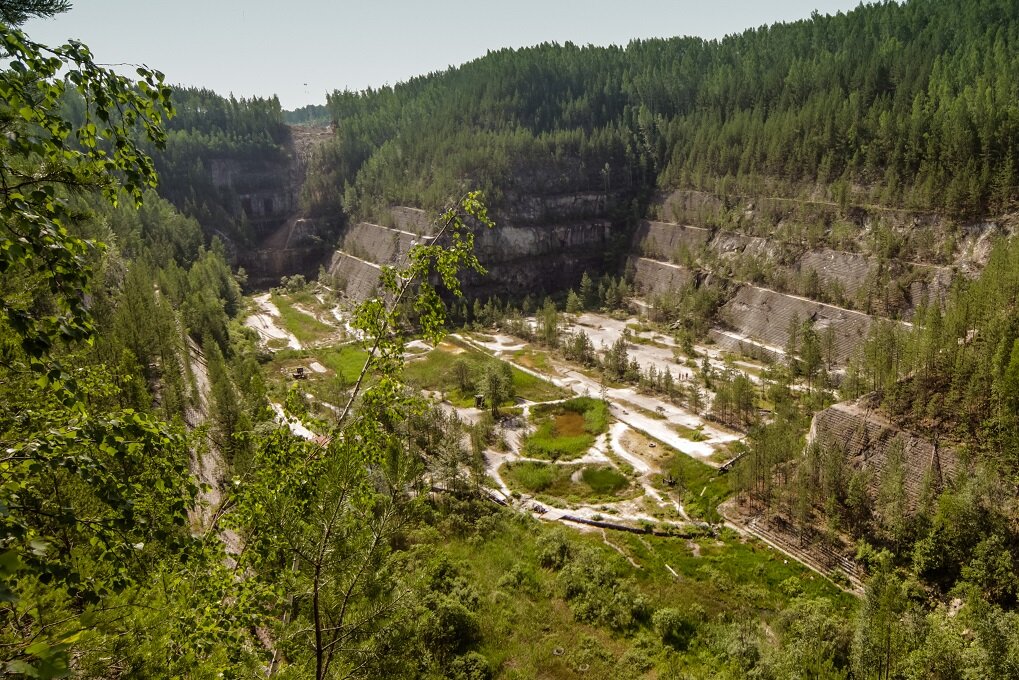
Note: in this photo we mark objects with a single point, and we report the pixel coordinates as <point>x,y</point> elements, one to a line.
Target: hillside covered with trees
<point>902,104</point>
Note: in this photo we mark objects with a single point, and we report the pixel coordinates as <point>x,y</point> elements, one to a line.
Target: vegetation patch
<point>568,429</point>
<point>604,480</point>
<point>689,433</point>
<point>535,360</point>
<point>593,483</point>
<point>459,371</point>
<point>346,361</point>
<point>700,486</point>
<point>304,326</point>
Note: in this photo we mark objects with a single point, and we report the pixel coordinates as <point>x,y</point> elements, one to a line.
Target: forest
<point>159,519</point>
<point>900,104</point>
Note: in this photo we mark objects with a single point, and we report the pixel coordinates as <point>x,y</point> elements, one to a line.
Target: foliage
<point>567,429</point>
<point>894,119</point>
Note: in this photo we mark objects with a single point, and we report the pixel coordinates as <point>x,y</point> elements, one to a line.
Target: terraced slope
<point>866,437</point>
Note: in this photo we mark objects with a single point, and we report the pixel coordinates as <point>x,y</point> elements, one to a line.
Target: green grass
<point>346,361</point>
<point>305,327</point>
<point>566,430</point>
<point>532,477</point>
<point>699,484</point>
<point>690,433</point>
<point>343,362</point>
<point>598,483</point>
<point>534,360</point>
<point>524,617</point>
<point>604,480</point>
<point>434,371</point>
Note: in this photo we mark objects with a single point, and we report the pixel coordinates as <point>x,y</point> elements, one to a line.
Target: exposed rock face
<point>766,316</point>
<point>664,241</point>
<point>866,438</point>
<point>654,276</point>
<point>414,220</point>
<point>298,246</point>
<point>285,241</point>
<point>379,244</point>
<point>848,270</point>
<point>520,256</point>
<point>357,278</point>
<point>536,208</point>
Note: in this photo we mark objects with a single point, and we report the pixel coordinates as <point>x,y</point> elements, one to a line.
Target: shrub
<point>673,627</point>
<point>597,595</point>
<point>470,666</point>
<point>554,550</point>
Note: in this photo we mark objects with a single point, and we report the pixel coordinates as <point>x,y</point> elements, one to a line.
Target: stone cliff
<point>285,241</point>
<point>543,245</point>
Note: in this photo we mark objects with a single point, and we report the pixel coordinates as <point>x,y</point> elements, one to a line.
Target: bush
<point>597,595</point>
<point>673,627</point>
<point>470,666</point>
<point>554,550</point>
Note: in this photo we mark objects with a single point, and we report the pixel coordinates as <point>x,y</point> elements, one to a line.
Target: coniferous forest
<point>202,480</point>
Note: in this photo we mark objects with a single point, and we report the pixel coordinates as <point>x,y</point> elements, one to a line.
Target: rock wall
<point>654,276</point>
<point>665,241</point>
<point>538,259</point>
<point>765,315</point>
<point>379,244</point>
<point>519,258</point>
<point>866,437</point>
<point>355,277</point>
<point>414,220</point>
<point>299,246</point>
<point>849,270</point>
<point>538,209</point>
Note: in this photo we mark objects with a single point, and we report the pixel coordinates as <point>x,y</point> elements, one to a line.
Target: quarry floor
<point>643,426</point>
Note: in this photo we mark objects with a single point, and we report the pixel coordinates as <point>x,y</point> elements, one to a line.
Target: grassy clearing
<point>304,326</point>
<point>596,482</point>
<point>346,361</point>
<point>434,371</point>
<point>689,433</point>
<point>699,484</point>
<point>343,365</point>
<point>535,360</point>
<point>604,480</point>
<point>566,430</point>
<point>531,627</point>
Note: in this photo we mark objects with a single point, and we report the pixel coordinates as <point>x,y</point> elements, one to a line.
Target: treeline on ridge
<point>903,104</point>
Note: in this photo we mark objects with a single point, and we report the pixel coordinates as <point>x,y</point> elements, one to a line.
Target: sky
<point>302,49</point>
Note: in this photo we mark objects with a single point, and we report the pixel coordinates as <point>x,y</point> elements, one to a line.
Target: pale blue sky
<point>302,49</point>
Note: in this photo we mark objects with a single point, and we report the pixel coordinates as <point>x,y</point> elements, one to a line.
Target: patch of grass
<point>699,484</point>
<point>689,433</point>
<point>346,361</point>
<point>532,477</point>
<point>596,482</point>
<point>434,371</point>
<point>604,480</point>
<point>534,360</point>
<point>566,430</point>
<point>304,326</point>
